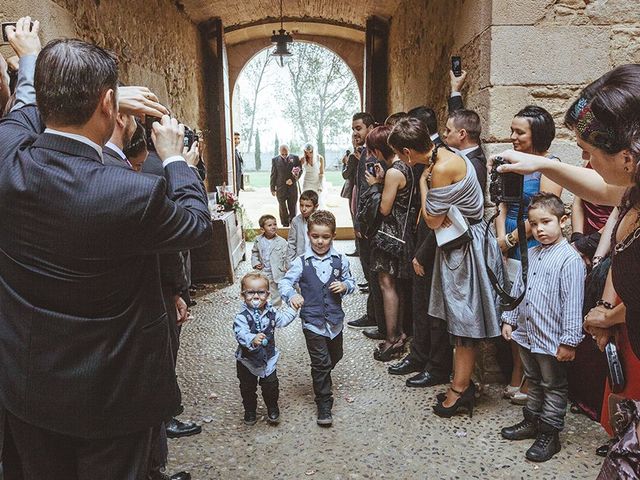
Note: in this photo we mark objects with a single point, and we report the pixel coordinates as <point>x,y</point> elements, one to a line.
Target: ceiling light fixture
<point>281,41</point>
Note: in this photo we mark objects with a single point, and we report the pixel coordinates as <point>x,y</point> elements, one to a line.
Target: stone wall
<point>157,45</point>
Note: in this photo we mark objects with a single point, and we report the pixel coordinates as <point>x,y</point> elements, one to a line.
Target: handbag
<point>456,235</point>
<point>387,242</point>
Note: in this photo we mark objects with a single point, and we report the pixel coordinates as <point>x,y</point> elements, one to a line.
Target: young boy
<point>323,277</point>
<point>548,327</point>
<point>256,356</point>
<point>298,239</point>
<point>269,254</point>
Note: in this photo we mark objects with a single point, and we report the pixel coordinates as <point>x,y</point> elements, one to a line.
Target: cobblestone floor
<point>381,428</point>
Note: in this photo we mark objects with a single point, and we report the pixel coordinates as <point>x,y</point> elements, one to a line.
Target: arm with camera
<point>23,38</point>
<point>585,183</point>
<point>392,181</point>
<point>457,82</point>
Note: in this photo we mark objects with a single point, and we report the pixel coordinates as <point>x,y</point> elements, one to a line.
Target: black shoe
<point>466,399</point>
<point>181,476</point>
<point>527,428</point>
<point>159,475</point>
<point>364,290</point>
<point>547,444</point>
<point>250,418</point>
<point>374,334</point>
<point>603,450</point>
<point>362,322</point>
<point>363,285</point>
<point>425,379</point>
<point>404,367</point>
<point>324,417</point>
<point>177,429</point>
<point>355,253</point>
<point>273,416</point>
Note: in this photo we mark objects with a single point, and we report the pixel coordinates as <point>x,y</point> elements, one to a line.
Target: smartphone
<point>3,25</point>
<point>456,66</point>
<point>371,168</point>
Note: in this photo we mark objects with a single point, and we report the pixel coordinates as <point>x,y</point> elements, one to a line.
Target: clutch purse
<point>455,235</point>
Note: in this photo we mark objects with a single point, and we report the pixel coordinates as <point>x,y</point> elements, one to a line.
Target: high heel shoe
<point>387,354</point>
<point>465,399</point>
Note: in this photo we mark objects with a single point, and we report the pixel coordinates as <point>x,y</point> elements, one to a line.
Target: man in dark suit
<point>284,183</point>
<point>112,152</point>
<point>84,342</point>
<point>239,162</point>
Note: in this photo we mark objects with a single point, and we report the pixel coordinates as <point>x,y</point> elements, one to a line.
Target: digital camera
<point>505,187</point>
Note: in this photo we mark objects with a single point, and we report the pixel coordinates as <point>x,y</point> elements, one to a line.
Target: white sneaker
<point>519,398</point>
<point>510,391</point>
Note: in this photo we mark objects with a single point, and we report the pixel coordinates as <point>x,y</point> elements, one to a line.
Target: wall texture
<point>157,45</point>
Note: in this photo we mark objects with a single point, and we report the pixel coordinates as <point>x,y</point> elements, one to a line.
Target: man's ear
<point>108,103</point>
<point>463,133</point>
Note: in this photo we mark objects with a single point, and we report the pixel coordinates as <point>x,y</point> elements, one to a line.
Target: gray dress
<point>461,292</point>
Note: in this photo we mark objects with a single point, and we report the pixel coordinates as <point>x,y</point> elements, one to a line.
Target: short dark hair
<point>310,196</point>
<point>236,133</point>
<point>322,217</point>
<point>395,118</point>
<point>70,78</point>
<point>470,121</point>
<point>366,118</point>
<point>138,142</point>
<point>377,139</point>
<point>549,202</point>
<point>543,129</point>
<point>426,115</point>
<point>410,133</point>
<point>263,219</point>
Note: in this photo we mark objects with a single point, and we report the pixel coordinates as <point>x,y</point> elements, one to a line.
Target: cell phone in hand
<point>456,66</point>
<point>371,168</point>
<point>3,25</point>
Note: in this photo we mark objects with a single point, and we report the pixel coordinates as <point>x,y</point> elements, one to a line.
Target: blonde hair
<point>254,276</point>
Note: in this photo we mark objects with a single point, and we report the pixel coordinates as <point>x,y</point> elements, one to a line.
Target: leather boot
<point>527,428</point>
<point>547,443</point>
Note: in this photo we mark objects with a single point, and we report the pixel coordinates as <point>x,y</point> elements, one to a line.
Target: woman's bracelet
<point>509,240</point>
<point>605,304</point>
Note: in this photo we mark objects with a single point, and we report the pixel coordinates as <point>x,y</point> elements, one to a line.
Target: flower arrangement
<point>228,201</point>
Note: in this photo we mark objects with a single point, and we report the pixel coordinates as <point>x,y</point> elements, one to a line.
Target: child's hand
<point>297,301</point>
<point>257,340</point>
<point>566,353</point>
<point>337,287</point>
<point>507,330</point>
<point>258,266</point>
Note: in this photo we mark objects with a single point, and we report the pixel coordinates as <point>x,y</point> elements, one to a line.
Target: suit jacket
<point>239,168</point>
<point>278,259</point>
<point>281,172</point>
<point>84,339</point>
<point>111,157</point>
<point>297,237</point>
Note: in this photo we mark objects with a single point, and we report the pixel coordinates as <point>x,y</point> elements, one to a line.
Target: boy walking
<point>269,255</point>
<point>323,276</point>
<point>298,239</point>
<point>256,356</point>
<point>548,327</point>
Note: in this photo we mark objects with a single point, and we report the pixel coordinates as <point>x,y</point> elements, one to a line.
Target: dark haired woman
<point>395,207</point>
<point>606,120</point>
<point>461,292</point>
<point>532,131</point>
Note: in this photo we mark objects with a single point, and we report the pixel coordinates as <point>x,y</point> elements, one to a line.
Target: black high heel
<point>466,399</point>
<point>388,353</point>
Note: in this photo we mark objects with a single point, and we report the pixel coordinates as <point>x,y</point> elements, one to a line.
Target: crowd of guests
<point>99,215</point>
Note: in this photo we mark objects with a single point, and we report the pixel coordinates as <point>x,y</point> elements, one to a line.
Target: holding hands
<point>337,287</point>
<point>297,301</point>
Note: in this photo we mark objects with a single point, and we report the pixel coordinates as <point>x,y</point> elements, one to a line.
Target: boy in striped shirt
<point>547,326</point>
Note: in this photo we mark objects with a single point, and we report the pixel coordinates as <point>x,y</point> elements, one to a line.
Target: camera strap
<point>507,302</point>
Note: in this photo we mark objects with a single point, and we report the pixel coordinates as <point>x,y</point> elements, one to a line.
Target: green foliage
<point>257,153</point>
<point>276,146</point>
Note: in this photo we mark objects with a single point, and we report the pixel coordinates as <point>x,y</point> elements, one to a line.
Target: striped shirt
<point>551,312</point>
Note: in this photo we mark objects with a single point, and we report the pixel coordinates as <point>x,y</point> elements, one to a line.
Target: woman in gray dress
<point>461,292</point>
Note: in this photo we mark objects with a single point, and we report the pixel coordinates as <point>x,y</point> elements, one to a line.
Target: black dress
<point>394,224</point>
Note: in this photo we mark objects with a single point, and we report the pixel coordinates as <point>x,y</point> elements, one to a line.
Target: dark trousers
<point>431,347</point>
<point>375,308</point>
<point>249,387</point>
<point>325,353</point>
<point>287,200</point>
<point>32,453</point>
<point>548,386</point>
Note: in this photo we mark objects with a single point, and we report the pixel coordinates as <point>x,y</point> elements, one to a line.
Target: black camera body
<point>190,136</point>
<point>505,187</point>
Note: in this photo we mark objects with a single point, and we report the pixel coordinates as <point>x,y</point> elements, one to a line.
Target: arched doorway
<point>310,100</point>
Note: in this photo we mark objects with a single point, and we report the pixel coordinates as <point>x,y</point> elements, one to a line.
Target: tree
<point>257,154</point>
<point>254,72</point>
<point>276,147</point>
<point>322,95</point>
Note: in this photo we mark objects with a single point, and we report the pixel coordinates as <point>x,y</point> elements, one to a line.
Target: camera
<point>456,66</point>
<point>4,25</point>
<point>505,187</point>
<point>371,168</point>
<point>190,136</point>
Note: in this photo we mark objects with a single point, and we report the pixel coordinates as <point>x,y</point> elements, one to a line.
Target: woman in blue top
<point>532,131</point>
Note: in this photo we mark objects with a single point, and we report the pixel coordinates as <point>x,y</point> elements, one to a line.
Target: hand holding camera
<point>374,173</point>
<point>168,137</point>
<point>192,155</point>
<point>140,101</point>
<point>23,36</point>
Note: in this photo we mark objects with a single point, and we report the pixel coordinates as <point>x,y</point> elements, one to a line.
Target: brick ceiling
<point>236,13</point>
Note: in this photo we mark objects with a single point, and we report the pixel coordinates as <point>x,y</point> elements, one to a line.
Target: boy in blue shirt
<point>547,326</point>
<point>323,277</point>
<point>256,356</point>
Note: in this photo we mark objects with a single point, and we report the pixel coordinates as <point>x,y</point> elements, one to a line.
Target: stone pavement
<point>381,428</point>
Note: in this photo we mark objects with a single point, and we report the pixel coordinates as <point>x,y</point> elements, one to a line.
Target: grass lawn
<point>262,179</point>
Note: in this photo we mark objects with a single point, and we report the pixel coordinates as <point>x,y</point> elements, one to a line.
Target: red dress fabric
<point>595,216</point>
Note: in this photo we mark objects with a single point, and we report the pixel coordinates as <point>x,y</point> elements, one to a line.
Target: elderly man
<point>285,171</point>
